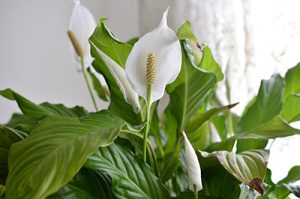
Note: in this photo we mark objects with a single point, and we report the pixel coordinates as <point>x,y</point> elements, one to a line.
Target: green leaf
<point>185,32</point>
<point>209,64</point>
<point>292,85</point>
<point>86,184</point>
<point>291,108</point>
<point>250,144</point>
<point>22,122</point>
<point>97,86</point>
<point>217,182</point>
<point>8,136</point>
<point>246,166</point>
<point>103,39</point>
<point>285,186</point>
<point>39,111</point>
<point>55,151</point>
<point>267,105</point>
<point>199,118</point>
<point>274,128</point>
<point>188,90</point>
<point>293,176</point>
<point>131,177</point>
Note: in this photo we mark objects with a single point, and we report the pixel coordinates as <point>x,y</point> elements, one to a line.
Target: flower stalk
<point>88,83</point>
<point>150,77</point>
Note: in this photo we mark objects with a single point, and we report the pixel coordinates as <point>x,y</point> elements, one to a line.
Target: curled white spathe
<point>163,43</point>
<point>118,73</point>
<point>82,25</point>
<point>193,166</point>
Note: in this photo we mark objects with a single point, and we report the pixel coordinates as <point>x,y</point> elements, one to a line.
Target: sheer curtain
<point>251,39</point>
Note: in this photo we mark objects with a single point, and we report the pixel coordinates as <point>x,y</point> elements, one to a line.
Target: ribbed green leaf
<point>245,166</point>
<point>131,177</point>
<point>55,151</point>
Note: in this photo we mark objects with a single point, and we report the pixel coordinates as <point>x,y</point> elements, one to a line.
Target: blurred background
<point>251,40</point>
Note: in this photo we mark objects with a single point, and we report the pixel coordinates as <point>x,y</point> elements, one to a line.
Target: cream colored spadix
<point>82,26</point>
<point>193,166</point>
<point>118,73</point>
<point>162,42</point>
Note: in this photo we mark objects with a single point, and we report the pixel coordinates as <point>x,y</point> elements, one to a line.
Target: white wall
<point>35,59</point>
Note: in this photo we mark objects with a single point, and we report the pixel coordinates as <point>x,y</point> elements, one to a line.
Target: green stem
<point>195,191</point>
<point>147,127</point>
<point>87,83</point>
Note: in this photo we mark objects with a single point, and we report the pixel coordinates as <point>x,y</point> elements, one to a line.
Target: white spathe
<point>163,43</point>
<point>193,166</point>
<point>118,73</point>
<point>82,24</point>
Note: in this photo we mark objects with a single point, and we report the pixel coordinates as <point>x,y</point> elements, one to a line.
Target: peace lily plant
<point>189,146</point>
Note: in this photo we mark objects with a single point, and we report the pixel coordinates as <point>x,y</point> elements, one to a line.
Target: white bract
<point>161,42</point>
<point>193,166</point>
<point>82,25</point>
<point>118,73</point>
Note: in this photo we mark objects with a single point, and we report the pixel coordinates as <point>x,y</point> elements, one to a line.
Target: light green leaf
<point>292,85</point>
<point>209,64</point>
<point>245,166</point>
<point>291,108</point>
<point>267,105</point>
<point>131,177</point>
<point>55,151</point>
<point>185,32</point>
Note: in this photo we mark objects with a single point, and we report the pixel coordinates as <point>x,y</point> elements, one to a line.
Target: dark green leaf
<point>86,184</point>
<point>131,177</point>
<point>55,151</point>
<point>8,136</point>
